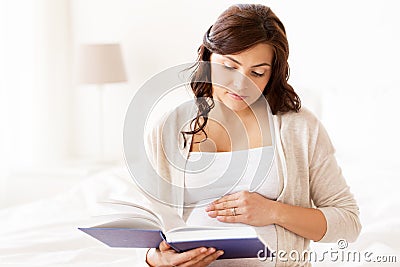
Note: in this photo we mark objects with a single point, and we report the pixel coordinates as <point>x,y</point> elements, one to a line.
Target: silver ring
<point>233,211</point>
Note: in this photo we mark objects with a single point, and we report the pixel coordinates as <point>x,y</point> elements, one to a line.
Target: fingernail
<point>212,213</point>
<point>208,208</point>
<point>202,250</point>
<point>211,250</point>
<point>220,252</point>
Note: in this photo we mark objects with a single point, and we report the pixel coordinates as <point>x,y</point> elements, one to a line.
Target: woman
<point>243,91</point>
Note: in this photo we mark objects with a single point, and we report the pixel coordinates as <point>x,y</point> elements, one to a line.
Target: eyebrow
<point>257,65</point>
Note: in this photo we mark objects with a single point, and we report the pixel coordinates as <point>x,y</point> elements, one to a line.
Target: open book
<point>136,226</point>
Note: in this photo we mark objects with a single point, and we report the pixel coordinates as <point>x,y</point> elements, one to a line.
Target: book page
<point>165,216</point>
<point>128,214</point>
<point>117,208</point>
<point>132,222</point>
<point>210,233</point>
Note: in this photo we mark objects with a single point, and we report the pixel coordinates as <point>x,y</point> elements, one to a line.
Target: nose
<point>239,81</point>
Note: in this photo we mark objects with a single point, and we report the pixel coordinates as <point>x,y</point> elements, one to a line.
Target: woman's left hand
<point>243,207</point>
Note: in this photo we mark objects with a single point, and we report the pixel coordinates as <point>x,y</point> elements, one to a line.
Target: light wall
<point>343,58</point>
<point>35,82</point>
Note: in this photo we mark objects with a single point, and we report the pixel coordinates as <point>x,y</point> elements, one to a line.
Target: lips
<point>236,97</point>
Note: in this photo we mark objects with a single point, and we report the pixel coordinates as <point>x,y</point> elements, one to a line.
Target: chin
<point>236,106</point>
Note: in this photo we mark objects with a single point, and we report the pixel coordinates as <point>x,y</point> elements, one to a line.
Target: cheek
<point>221,77</point>
<point>262,83</point>
<point>218,90</point>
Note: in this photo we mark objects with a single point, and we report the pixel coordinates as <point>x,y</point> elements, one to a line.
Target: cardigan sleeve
<point>330,192</point>
<point>154,147</point>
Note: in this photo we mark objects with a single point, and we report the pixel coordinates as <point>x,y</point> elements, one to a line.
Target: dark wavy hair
<point>237,29</point>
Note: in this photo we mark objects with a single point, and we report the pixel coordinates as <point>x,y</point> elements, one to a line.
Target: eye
<point>228,67</point>
<point>257,74</point>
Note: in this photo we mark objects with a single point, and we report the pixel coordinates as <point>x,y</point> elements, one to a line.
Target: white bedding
<point>44,233</point>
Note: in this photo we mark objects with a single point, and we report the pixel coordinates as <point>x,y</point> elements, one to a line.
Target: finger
<point>199,258</point>
<point>227,212</point>
<point>204,259</point>
<point>209,259</point>
<point>233,196</point>
<point>231,219</point>
<point>164,246</point>
<point>222,205</point>
<point>226,205</point>
<point>180,258</point>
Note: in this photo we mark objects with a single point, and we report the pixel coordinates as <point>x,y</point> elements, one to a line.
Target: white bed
<point>44,232</point>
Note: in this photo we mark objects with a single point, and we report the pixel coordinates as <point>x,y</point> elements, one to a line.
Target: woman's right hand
<point>166,256</point>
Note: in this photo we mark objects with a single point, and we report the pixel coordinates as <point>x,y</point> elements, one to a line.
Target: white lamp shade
<point>100,64</point>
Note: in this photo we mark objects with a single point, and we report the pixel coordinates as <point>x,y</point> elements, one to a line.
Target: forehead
<point>259,53</point>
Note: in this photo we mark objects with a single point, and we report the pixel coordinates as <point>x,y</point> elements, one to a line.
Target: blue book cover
<point>144,228</point>
<point>234,247</point>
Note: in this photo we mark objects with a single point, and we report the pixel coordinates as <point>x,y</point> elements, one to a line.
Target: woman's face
<point>239,79</point>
